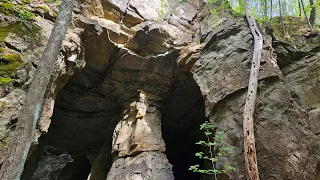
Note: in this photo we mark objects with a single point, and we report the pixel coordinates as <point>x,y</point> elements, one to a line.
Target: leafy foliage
<point>288,8</point>
<point>213,142</point>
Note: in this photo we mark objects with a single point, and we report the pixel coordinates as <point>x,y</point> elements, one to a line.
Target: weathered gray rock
<point>139,130</point>
<point>287,148</point>
<point>144,166</point>
<point>50,167</point>
<point>10,105</point>
<point>138,146</point>
<point>16,42</point>
<point>225,61</point>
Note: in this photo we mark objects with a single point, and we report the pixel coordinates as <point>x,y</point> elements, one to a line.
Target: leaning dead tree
<point>248,130</point>
<point>13,166</point>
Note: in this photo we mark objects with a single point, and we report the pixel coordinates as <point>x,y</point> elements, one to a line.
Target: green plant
<point>27,15</point>
<point>215,148</point>
<point>163,11</point>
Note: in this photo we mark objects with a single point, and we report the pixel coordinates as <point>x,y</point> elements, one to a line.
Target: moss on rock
<point>17,29</point>
<point>7,8</point>
<point>2,49</point>
<point>9,63</point>
<point>5,80</point>
<point>26,1</point>
<point>43,7</point>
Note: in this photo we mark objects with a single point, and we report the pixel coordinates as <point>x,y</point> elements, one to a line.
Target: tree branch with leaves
<point>213,142</point>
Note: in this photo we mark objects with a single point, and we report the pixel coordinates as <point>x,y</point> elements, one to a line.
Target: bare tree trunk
<point>248,129</point>
<point>284,5</point>
<point>13,166</point>
<point>265,11</point>
<point>281,18</point>
<point>271,15</point>
<point>312,18</point>
<point>305,14</point>
<point>299,8</point>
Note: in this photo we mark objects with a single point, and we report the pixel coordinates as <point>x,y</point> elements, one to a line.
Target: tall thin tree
<point>248,127</point>
<point>13,166</point>
<point>281,18</point>
<point>305,14</point>
<point>265,11</point>
<point>299,8</point>
<point>271,15</point>
<point>312,18</point>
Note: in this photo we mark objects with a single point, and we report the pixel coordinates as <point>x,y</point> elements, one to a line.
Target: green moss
<point>7,8</point>
<point>43,7</point>
<point>5,80</point>
<point>4,31</point>
<point>26,15</point>
<point>26,1</point>
<point>18,29</point>
<point>55,14</point>
<point>18,10</point>
<point>9,63</point>
<point>2,49</point>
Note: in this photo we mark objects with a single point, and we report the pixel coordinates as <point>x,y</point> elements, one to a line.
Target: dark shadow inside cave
<point>80,169</point>
<point>183,111</point>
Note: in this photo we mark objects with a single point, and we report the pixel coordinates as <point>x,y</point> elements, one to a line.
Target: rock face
<point>138,146</point>
<point>21,46</point>
<point>136,78</point>
<point>285,138</point>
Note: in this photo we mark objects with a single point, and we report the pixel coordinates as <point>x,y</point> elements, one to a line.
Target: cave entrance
<point>81,168</point>
<point>182,114</point>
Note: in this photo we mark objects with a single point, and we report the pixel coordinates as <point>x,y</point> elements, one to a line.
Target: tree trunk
<point>281,18</point>
<point>299,8</point>
<point>13,166</point>
<point>248,129</point>
<point>312,18</point>
<point>271,6</point>
<point>265,11</point>
<point>305,14</point>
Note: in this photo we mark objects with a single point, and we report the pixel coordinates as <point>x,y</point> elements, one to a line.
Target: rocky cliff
<point>136,78</point>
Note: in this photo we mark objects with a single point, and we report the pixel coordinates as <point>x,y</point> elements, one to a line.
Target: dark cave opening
<point>81,169</point>
<point>182,114</point>
<point>181,155</point>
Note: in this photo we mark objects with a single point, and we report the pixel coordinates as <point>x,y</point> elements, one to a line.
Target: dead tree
<point>248,129</point>
<point>13,166</point>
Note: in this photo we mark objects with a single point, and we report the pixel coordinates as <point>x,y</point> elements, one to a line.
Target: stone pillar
<point>137,146</point>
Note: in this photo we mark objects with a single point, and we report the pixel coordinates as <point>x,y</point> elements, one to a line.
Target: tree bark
<point>281,18</point>
<point>13,166</point>
<point>271,15</point>
<point>312,18</point>
<point>248,129</point>
<point>265,11</point>
<point>299,8</point>
<point>305,14</point>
